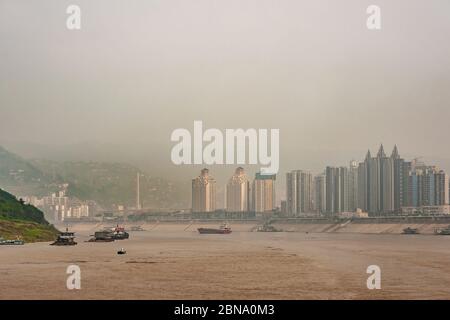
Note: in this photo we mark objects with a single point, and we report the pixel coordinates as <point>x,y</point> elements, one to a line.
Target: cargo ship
<point>65,239</point>
<point>119,233</point>
<point>223,229</point>
<point>102,236</point>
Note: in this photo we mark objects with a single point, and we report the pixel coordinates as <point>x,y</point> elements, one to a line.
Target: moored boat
<point>443,232</point>
<point>223,229</point>
<point>410,231</point>
<point>65,239</point>
<point>267,227</point>
<point>16,242</point>
<point>119,233</point>
<point>102,236</point>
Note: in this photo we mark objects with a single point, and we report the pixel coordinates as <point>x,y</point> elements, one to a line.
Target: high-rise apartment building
<point>353,186</point>
<point>428,186</point>
<point>320,200</point>
<point>363,184</point>
<point>263,193</point>
<point>442,188</point>
<point>336,190</point>
<point>387,185</point>
<point>406,169</point>
<point>299,189</point>
<point>381,180</point>
<point>204,193</point>
<point>401,172</point>
<point>415,188</point>
<point>238,192</point>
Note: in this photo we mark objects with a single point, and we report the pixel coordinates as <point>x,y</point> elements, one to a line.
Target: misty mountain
<point>19,176</point>
<point>106,183</point>
<point>15,170</point>
<point>112,183</point>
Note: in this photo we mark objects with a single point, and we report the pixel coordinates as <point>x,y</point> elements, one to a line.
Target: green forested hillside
<point>25,221</point>
<point>11,208</point>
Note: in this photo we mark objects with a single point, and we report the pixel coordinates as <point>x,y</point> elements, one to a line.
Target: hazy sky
<point>137,70</point>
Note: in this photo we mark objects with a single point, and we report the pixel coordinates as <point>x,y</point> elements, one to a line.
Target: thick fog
<point>136,70</point>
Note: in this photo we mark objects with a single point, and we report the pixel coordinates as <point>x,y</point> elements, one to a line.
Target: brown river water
<point>171,263</point>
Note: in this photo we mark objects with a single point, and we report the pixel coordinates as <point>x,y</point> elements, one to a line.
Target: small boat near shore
<point>223,229</point>
<point>410,231</point>
<point>16,242</point>
<point>267,227</point>
<point>443,232</point>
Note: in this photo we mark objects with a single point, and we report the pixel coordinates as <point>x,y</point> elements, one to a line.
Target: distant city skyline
<point>379,184</point>
<point>314,183</point>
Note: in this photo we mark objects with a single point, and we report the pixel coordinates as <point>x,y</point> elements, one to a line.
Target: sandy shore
<point>169,262</point>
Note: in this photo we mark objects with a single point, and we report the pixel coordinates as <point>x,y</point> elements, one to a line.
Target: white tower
<point>138,191</point>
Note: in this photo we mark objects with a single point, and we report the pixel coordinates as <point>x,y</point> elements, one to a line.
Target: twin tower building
<point>241,196</point>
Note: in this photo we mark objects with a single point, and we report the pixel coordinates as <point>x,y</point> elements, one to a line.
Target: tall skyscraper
<point>364,183</point>
<point>406,169</point>
<point>353,186</point>
<point>429,187</point>
<point>387,185</point>
<point>415,188</point>
<point>204,193</point>
<point>330,173</point>
<point>381,182</point>
<point>442,188</point>
<point>238,192</point>
<point>299,192</point>
<point>291,193</point>
<point>343,172</point>
<point>401,171</point>
<point>263,193</point>
<point>374,170</point>
<point>336,190</point>
<point>320,200</point>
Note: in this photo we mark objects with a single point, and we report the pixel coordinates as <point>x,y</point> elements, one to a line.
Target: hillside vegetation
<point>111,183</point>
<point>21,220</point>
<point>107,183</point>
<point>13,209</point>
<point>27,231</point>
